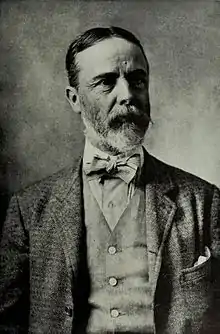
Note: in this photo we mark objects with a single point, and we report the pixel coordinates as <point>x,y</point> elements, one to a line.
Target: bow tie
<point>124,168</point>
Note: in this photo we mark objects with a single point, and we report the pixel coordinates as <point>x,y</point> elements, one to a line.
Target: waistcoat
<point>120,293</point>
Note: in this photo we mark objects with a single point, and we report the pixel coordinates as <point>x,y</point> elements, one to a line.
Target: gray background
<point>38,131</point>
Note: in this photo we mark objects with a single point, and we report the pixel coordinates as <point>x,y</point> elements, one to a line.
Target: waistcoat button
<point>112,250</point>
<point>114,313</point>
<point>111,204</point>
<point>113,281</point>
<point>68,311</point>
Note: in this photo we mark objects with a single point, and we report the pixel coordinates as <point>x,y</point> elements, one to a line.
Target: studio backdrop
<point>39,134</point>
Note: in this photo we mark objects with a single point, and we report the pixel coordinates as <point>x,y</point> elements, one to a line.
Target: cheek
<point>96,104</point>
<point>143,102</point>
<point>102,100</point>
<point>144,98</point>
<point>91,108</point>
<point>102,107</point>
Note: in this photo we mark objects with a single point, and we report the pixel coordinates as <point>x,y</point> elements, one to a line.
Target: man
<point>123,243</point>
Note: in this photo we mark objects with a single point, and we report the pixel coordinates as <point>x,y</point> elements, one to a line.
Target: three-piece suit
<point>43,244</point>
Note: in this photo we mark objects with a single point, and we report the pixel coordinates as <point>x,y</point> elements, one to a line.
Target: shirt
<point>112,194</point>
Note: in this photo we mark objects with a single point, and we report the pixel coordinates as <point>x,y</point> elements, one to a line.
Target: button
<point>112,250</point>
<point>114,313</point>
<point>69,311</point>
<point>113,281</point>
<point>110,204</point>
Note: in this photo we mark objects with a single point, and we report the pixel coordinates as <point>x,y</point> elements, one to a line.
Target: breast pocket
<point>196,287</point>
<point>200,270</point>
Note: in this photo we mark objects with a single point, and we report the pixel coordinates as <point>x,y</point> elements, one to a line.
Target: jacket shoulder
<point>33,198</point>
<point>181,178</point>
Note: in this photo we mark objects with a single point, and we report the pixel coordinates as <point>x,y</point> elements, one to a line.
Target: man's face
<point>113,93</point>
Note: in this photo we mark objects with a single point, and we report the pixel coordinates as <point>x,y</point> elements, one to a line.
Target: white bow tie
<point>124,168</point>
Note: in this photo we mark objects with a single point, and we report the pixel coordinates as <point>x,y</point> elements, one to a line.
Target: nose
<point>124,93</point>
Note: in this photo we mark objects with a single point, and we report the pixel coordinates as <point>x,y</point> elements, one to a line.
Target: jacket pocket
<point>197,272</point>
<point>196,289</point>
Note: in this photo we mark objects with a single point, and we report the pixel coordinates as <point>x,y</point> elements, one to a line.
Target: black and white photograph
<point>109,167</point>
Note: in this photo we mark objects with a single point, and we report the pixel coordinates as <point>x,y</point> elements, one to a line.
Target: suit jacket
<point>43,243</point>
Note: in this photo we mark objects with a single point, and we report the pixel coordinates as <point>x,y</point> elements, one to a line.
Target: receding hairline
<point>77,56</point>
<point>111,38</point>
<point>93,37</point>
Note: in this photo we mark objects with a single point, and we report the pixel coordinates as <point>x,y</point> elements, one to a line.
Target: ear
<point>73,98</point>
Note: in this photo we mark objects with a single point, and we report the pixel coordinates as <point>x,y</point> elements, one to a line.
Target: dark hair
<point>90,38</point>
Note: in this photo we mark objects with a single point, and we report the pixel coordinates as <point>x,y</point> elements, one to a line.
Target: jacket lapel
<point>66,207</point>
<point>160,210</point>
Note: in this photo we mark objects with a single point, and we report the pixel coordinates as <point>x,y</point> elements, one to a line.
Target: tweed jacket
<point>43,243</point>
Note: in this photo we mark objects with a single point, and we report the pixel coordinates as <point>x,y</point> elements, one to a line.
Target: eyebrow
<point>104,75</point>
<point>138,71</point>
<point>115,74</point>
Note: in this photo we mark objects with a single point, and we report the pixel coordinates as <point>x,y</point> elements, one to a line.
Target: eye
<point>138,82</point>
<point>108,81</point>
<point>138,79</point>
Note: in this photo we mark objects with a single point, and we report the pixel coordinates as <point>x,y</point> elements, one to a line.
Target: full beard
<point>123,131</point>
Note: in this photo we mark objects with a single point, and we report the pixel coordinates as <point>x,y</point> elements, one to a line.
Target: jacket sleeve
<point>212,323</point>
<point>14,272</point>
<point>215,224</point>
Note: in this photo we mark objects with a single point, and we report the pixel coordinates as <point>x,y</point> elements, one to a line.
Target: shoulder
<point>180,178</point>
<point>34,197</point>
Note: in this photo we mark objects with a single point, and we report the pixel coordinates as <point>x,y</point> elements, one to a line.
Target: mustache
<point>129,114</point>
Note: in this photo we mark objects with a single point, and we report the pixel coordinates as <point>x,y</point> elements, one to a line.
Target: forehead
<point>112,54</point>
